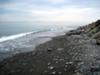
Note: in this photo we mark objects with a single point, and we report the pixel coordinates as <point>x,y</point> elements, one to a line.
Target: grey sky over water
<point>50,11</point>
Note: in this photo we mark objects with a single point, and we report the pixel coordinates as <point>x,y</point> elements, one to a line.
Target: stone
<point>59,72</point>
<point>61,59</point>
<point>49,63</point>
<point>65,69</point>
<point>49,49</point>
<point>45,72</point>
<point>60,49</point>
<point>66,66</point>
<point>68,63</point>
<point>51,67</point>
<point>98,42</point>
<point>54,72</point>
<point>56,62</point>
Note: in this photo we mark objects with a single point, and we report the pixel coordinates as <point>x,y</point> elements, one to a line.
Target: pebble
<point>61,59</point>
<point>81,63</point>
<point>49,49</point>
<point>56,62</point>
<point>59,72</point>
<point>66,66</point>
<point>54,72</point>
<point>51,67</point>
<point>68,63</point>
<point>58,57</point>
<point>55,59</point>
<point>49,63</point>
<point>65,69</point>
<point>76,71</point>
<point>60,49</point>
<point>45,71</point>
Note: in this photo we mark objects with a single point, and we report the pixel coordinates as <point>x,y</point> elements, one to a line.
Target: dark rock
<point>95,69</point>
<point>97,23</point>
<point>49,49</point>
<point>98,42</point>
<point>75,32</point>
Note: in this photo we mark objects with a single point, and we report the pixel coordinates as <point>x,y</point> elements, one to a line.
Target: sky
<point>50,11</point>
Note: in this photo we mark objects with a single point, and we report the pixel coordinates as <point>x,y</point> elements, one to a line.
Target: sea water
<point>20,37</point>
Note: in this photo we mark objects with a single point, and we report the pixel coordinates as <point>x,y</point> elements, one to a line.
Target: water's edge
<point>26,42</point>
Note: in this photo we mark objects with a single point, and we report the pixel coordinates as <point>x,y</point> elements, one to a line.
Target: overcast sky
<point>56,11</point>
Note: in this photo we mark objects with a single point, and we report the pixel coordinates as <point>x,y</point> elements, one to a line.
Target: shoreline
<point>46,56</point>
<point>33,39</point>
<point>71,54</point>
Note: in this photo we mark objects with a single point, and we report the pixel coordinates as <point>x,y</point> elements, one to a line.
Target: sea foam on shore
<point>25,42</point>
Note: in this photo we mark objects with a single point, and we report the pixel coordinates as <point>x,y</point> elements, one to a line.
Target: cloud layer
<point>49,11</point>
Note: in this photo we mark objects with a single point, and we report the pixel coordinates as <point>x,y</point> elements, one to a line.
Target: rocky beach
<point>75,53</point>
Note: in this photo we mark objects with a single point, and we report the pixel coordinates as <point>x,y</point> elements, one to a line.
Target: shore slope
<point>71,54</point>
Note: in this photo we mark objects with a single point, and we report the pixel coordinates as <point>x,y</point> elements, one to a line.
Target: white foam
<point>2,39</point>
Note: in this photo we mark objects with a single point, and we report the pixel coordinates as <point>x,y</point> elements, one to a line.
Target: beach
<point>71,54</point>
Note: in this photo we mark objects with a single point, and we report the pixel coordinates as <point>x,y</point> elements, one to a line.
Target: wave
<point>12,37</point>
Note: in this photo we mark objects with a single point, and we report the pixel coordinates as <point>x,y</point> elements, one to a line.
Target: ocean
<point>7,29</point>
<point>19,37</point>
